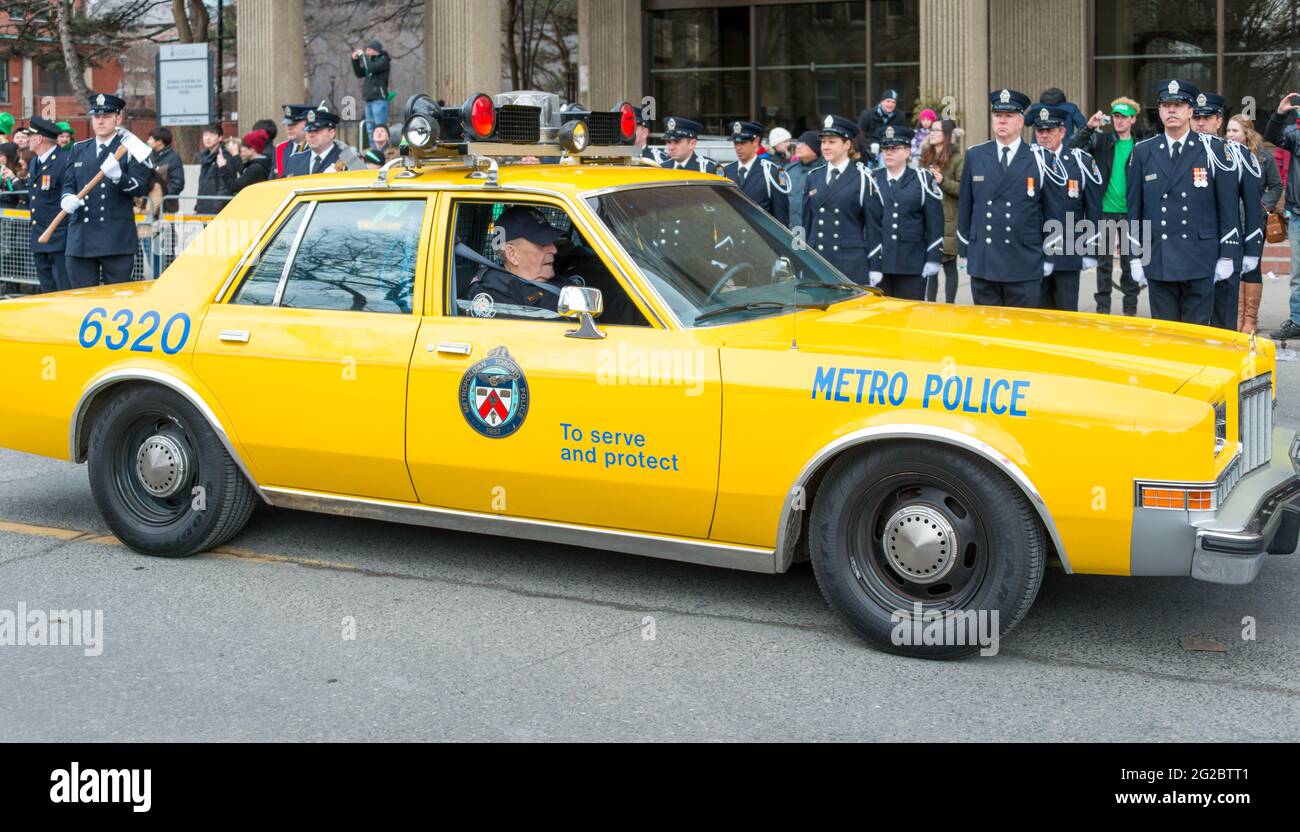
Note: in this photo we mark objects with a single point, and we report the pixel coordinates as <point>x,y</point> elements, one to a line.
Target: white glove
<point>1139,274</point>
<point>111,168</point>
<point>1222,269</point>
<point>1249,264</point>
<point>875,148</point>
<point>70,203</point>
<point>1089,263</point>
<point>875,278</point>
<point>1048,265</point>
<point>930,269</point>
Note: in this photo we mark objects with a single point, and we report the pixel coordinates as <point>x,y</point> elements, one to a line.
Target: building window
<point>699,65</point>
<point>896,50</point>
<point>811,61</point>
<point>4,82</point>
<point>50,81</point>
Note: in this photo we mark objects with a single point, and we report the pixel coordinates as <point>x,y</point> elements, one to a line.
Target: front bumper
<point>1260,517</point>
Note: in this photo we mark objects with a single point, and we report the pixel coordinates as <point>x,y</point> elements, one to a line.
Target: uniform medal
<point>1199,178</point>
<point>1073,188</point>
<point>1029,186</point>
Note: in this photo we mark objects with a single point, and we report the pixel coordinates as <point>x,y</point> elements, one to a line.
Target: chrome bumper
<point>1260,517</point>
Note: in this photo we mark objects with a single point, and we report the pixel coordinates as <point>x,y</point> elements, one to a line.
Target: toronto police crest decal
<point>494,395</point>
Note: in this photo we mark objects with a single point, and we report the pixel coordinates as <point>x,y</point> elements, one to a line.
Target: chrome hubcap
<point>161,465</point>
<point>921,544</point>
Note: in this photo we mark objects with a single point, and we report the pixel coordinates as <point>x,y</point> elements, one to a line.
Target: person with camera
<point>1283,132</point>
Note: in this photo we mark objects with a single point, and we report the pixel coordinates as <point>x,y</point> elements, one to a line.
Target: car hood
<point>1155,354</point>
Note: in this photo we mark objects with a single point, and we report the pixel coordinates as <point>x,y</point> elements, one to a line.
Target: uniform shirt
<point>301,164</point>
<point>105,225</point>
<point>907,215</point>
<point>765,183</point>
<point>1067,204</point>
<point>490,287</point>
<point>44,186</point>
<point>1000,214</point>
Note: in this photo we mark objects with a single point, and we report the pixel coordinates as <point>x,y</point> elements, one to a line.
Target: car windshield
<point>715,257</point>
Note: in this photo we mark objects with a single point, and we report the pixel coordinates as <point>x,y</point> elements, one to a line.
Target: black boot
<point>1289,331</point>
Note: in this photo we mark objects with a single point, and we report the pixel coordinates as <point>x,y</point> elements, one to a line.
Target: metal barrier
<point>158,242</point>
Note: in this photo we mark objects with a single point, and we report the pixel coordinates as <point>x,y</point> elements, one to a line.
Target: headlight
<point>574,136</point>
<point>1220,426</point>
<point>418,132</point>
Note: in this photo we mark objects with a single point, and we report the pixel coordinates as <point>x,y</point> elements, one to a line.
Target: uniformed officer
<point>836,217</point>
<point>295,118</point>
<point>102,240</point>
<point>1000,211</point>
<point>759,178</point>
<point>680,137</point>
<point>1182,211</point>
<point>642,142</point>
<point>1071,195</point>
<point>321,153</point>
<point>908,212</point>
<point>44,187</point>
<point>1207,119</point>
<point>528,278</point>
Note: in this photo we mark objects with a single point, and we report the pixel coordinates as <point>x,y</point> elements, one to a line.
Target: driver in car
<point>528,277</point>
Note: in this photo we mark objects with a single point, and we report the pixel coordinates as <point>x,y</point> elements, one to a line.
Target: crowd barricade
<point>158,241</point>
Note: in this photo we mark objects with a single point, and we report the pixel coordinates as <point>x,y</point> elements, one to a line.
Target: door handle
<point>239,336</point>
<point>454,347</point>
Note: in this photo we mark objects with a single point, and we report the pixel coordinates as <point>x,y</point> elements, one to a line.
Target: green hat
<point>6,123</point>
<point>66,128</point>
<point>1124,110</point>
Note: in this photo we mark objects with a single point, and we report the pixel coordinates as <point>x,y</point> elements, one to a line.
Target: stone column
<point>1045,46</point>
<point>463,43</point>
<point>271,56</point>
<point>955,60</point>
<point>610,65</point>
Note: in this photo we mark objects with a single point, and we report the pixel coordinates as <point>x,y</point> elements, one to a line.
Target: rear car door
<point>309,353</point>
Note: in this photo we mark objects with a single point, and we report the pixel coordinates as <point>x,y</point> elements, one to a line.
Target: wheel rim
<point>919,537</point>
<point>154,468</point>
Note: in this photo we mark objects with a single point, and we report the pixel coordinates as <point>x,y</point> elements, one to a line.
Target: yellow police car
<point>666,371</point>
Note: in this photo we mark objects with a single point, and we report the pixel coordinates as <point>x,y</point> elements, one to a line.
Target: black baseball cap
<point>521,221</point>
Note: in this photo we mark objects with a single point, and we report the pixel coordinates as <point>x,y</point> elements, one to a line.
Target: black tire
<point>994,560</point>
<point>135,505</point>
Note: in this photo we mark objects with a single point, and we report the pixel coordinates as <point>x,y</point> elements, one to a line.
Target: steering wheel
<point>726,277</point>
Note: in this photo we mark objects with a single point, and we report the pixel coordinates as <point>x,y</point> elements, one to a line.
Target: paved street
<point>466,637</point>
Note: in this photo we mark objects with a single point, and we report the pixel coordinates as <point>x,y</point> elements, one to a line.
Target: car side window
<point>484,284</point>
<point>258,288</point>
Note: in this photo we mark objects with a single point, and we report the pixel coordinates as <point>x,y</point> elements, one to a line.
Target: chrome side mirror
<point>584,304</point>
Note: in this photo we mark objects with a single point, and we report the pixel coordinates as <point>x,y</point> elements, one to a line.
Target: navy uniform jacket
<point>105,225</point>
<point>766,184</point>
<point>504,287</point>
<point>654,154</point>
<point>697,163</point>
<point>299,164</point>
<point>1067,204</point>
<point>1250,188</point>
<point>999,220</point>
<point>837,221</point>
<point>909,216</point>
<point>45,188</point>
<point>283,151</point>
<point>1190,225</point>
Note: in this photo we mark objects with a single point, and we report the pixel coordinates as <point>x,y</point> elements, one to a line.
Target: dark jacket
<point>105,225</point>
<point>951,187</point>
<point>1272,180</point>
<point>211,180</point>
<point>375,72</point>
<point>1282,131</point>
<point>1101,144</point>
<point>175,173</point>
<point>237,178</point>
<point>873,122</point>
<point>45,186</point>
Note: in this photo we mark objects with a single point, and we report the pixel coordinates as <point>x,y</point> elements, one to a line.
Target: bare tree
<point>71,60</point>
<point>541,39</point>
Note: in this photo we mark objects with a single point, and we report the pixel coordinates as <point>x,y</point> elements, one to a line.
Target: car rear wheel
<point>925,550</point>
<point>161,477</point>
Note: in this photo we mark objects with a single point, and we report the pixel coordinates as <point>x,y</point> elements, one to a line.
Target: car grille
<point>1255,422</point>
<point>1227,481</point>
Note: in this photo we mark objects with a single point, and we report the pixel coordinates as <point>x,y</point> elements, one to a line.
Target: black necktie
<point>1178,146</point>
<point>316,164</point>
<point>1006,157</point>
<point>835,174</point>
<point>103,153</point>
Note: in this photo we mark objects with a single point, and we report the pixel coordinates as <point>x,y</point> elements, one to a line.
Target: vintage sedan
<point>708,391</point>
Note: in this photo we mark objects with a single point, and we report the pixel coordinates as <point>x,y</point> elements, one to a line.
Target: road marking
<point>41,531</point>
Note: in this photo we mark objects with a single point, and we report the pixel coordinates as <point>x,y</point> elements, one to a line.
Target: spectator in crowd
<point>254,165</point>
<point>373,159</point>
<point>13,177</point>
<point>1111,151</point>
<point>806,157</point>
<point>66,134</point>
<point>20,138</point>
<point>943,159</point>
<point>872,123</point>
<point>268,127</point>
<point>1054,97</point>
<point>372,65</point>
<point>380,139</point>
<point>160,141</point>
<point>923,124</point>
<point>212,157</point>
<point>781,145</point>
<point>1242,130</point>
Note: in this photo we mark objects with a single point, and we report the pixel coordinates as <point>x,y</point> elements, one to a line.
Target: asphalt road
<point>480,638</point>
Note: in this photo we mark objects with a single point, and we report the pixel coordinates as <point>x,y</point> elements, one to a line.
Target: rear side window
<point>259,287</point>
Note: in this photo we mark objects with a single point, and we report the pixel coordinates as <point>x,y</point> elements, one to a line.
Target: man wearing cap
<point>781,145</point>
<point>641,144</point>
<point>528,277</point>
<point>372,65</point>
<point>66,135</point>
<point>295,119</point>
<point>44,186</point>
<point>1000,211</point>
<point>805,157</point>
<point>836,215</point>
<point>760,179</point>
<point>873,122</point>
<point>909,215</point>
<point>1207,120</point>
<point>102,240</point>
<point>1182,211</point>
<point>1111,151</point>
<point>321,153</point>
<point>680,137</point>
<point>1071,208</point>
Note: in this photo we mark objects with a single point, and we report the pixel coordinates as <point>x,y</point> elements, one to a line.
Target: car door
<point>309,353</point>
<point>515,417</point>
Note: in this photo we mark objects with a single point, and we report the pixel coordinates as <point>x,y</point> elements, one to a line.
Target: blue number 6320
<point>120,331</point>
